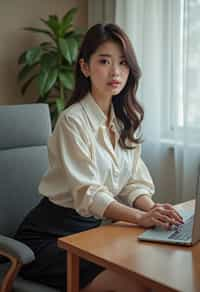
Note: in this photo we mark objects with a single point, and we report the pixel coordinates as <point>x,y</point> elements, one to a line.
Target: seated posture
<point>95,166</point>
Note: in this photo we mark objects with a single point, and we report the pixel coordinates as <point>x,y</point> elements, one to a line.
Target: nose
<point>115,70</point>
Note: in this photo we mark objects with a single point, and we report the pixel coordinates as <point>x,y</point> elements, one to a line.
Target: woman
<point>95,168</point>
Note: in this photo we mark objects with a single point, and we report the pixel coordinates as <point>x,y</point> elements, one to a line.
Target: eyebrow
<point>109,55</point>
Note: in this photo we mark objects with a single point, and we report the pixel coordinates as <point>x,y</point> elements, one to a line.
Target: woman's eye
<point>123,63</point>
<point>104,61</point>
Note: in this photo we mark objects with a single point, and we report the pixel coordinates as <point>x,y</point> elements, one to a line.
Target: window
<point>184,97</point>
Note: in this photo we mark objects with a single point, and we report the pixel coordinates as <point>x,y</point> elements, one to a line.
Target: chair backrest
<point>24,133</point>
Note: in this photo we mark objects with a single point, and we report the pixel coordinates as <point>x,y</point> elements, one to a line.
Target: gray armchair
<point>24,132</point>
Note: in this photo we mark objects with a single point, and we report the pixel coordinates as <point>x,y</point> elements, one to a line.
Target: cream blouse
<point>85,171</point>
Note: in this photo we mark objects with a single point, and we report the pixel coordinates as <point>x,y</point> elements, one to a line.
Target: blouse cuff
<point>134,195</point>
<point>100,202</point>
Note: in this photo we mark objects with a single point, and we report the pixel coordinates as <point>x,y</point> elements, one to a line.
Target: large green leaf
<point>33,55</point>
<point>46,80</point>
<point>76,34</point>
<point>52,77</point>
<point>60,105</point>
<point>47,46</point>
<point>42,80</point>
<point>69,49</point>
<point>78,39</point>
<point>25,71</point>
<point>73,48</point>
<point>66,23</point>
<point>52,23</point>
<point>69,34</point>
<point>69,17</point>
<point>67,79</point>
<point>27,83</point>
<point>38,30</point>
<point>49,60</point>
<point>64,49</point>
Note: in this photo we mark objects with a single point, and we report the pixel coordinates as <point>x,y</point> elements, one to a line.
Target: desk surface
<point>116,247</point>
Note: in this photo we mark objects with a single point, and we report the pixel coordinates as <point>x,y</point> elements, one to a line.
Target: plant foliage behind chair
<point>51,63</point>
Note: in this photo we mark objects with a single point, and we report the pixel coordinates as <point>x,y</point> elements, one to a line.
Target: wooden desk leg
<point>72,272</point>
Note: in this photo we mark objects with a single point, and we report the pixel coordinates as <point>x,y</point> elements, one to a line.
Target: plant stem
<point>62,96</point>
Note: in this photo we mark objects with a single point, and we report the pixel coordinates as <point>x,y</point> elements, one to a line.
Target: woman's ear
<point>84,67</point>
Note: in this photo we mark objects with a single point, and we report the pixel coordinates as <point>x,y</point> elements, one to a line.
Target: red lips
<point>114,82</point>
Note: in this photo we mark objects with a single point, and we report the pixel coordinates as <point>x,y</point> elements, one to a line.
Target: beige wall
<point>14,15</point>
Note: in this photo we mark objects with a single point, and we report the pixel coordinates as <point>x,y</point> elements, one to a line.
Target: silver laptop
<point>185,234</point>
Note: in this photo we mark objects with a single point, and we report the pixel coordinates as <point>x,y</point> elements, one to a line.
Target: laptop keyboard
<point>184,231</point>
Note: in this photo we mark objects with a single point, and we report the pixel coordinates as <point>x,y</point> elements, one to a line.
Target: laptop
<point>184,234</point>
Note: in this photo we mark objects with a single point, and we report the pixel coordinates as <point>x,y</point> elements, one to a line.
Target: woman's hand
<point>164,215</point>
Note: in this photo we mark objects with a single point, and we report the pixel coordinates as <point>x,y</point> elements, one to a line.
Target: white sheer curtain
<point>186,117</point>
<point>165,35</point>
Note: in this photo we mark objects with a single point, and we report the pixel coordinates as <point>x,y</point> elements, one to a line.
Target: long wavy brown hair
<point>127,109</point>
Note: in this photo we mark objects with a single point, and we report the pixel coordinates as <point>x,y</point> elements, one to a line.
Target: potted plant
<point>51,63</point>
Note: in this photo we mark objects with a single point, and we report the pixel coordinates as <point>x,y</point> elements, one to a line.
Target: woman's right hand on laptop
<point>163,215</point>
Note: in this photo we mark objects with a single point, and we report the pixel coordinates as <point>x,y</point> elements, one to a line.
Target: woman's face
<point>107,70</point>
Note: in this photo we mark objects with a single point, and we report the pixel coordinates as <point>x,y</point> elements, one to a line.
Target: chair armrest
<point>19,254</point>
<point>16,249</point>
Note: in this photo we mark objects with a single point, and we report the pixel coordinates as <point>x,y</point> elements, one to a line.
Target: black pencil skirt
<point>40,231</point>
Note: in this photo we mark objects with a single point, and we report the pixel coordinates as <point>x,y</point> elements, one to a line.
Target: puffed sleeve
<point>140,181</point>
<point>78,173</point>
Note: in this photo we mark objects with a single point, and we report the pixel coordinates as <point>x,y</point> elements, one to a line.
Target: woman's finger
<point>158,222</point>
<point>167,219</point>
<point>167,209</point>
<point>176,216</point>
<point>170,207</point>
<point>167,215</point>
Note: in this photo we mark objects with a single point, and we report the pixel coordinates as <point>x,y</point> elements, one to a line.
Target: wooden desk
<point>115,247</point>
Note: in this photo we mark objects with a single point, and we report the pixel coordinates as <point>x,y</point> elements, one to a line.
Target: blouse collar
<point>95,114</point>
